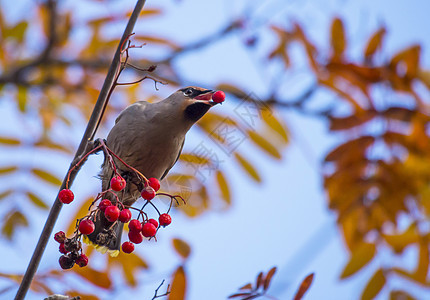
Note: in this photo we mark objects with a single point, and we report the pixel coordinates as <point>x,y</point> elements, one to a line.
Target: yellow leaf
<point>181,247</point>
<point>264,144</point>
<point>400,295</point>
<point>275,124</point>
<point>179,285</point>
<point>81,212</point>
<point>374,286</point>
<point>5,194</point>
<point>7,170</point>
<point>400,241</point>
<point>374,42</point>
<point>46,176</point>
<point>100,279</point>
<point>224,188</point>
<point>131,264</point>
<point>194,159</point>
<point>46,142</point>
<point>360,257</point>
<point>156,40</point>
<point>232,89</point>
<point>9,141</point>
<point>21,98</point>
<point>355,146</point>
<point>37,201</point>
<point>246,165</point>
<point>423,262</point>
<point>12,220</point>
<point>82,295</point>
<point>338,42</point>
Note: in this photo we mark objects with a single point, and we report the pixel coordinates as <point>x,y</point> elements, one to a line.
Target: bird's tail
<point>106,236</point>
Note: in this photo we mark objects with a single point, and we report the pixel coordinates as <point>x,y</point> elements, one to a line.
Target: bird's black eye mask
<point>192,93</point>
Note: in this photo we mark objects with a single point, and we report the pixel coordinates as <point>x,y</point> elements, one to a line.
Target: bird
<point>149,137</point>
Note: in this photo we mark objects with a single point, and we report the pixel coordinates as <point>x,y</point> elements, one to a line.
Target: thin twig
<point>84,147</point>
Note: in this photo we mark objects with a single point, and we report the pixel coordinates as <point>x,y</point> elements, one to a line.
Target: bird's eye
<point>188,92</point>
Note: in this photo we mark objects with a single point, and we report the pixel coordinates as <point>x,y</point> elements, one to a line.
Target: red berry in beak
<point>218,97</point>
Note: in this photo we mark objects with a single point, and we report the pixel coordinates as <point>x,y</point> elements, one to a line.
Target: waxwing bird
<point>148,137</point>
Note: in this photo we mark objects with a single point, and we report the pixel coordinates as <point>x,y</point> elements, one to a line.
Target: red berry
<point>125,215</point>
<point>62,248</point>
<point>135,225</point>
<point>218,96</point>
<point>148,193</point>
<point>86,226</point>
<point>135,236</point>
<point>82,260</point>
<point>117,183</point>
<point>66,196</point>
<point>154,183</point>
<point>164,220</point>
<point>154,222</point>
<point>112,213</point>
<point>66,262</point>
<point>104,203</point>
<point>60,236</point>
<point>127,247</point>
<point>149,230</point>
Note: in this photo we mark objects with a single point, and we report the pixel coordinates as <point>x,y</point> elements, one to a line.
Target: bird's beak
<point>205,96</point>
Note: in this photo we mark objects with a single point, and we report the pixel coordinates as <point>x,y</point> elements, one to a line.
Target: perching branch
<point>84,147</point>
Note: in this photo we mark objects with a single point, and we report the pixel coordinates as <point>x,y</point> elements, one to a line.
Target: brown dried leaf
<point>259,281</point>
<point>46,176</point>
<point>374,286</point>
<point>338,41</point>
<point>181,247</point>
<point>349,122</point>
<point>179,285</point>
<point>410,57</point>
<point>269,277</point>
<point>360,257</point>
<point>246,165</point>
<point>356,145</point>
<point>156,40</point>
<point>374,43</point>
<point>247,286</point>
<point>239,295</point>
<point>304,286</point>
<point>223,186</point>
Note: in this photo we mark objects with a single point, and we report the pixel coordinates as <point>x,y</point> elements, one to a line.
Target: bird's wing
<point>171,166</point>
<point>141,104</point>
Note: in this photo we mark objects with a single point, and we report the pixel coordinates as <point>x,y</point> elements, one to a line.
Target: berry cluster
<point>113,211</point>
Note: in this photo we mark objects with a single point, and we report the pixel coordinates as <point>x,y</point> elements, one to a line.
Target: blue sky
<point>283,222</point>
